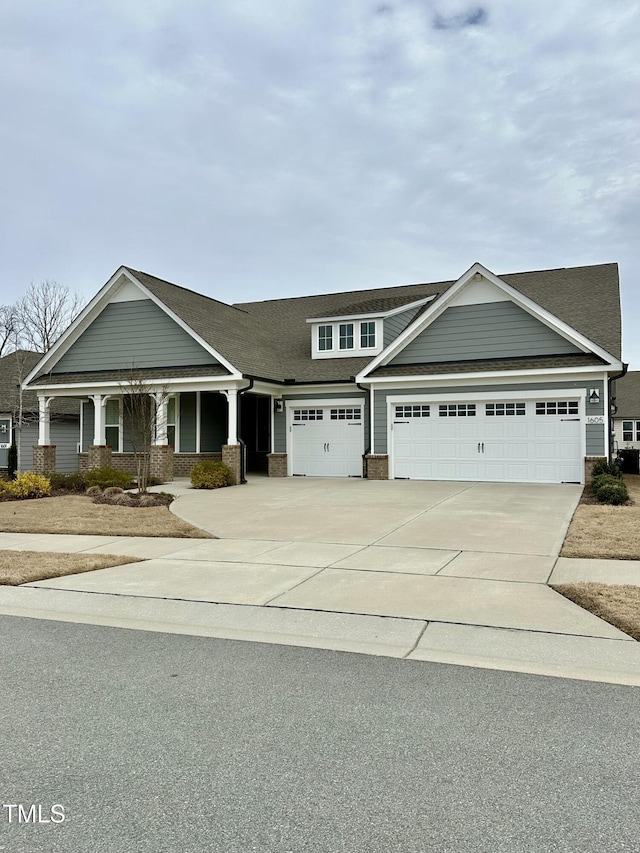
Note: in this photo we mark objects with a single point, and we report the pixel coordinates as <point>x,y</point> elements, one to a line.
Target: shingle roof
<point>123,376</point>
<point>444,367</point>
<point>271,339</point>
<point>627,394</point>
<point>13,369</point>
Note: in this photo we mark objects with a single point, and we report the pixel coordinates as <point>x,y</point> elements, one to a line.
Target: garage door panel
<point>327,441</point>
<point>512,443</point>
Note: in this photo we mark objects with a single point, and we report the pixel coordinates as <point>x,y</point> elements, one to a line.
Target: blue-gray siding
<point>393,326</point>
<point>88,415</point>
<point>595,432</point>
<point>491,330</point>
<point>64,435</point>
<point>132,334</point>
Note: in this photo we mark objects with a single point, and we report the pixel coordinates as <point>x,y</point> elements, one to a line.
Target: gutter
<point>610,413</point>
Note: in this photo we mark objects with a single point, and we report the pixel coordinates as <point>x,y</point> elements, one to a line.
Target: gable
<point>132,333</point>
<point>483,331</point>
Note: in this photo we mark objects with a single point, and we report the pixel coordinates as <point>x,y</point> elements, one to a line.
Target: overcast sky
<point>252,150</point>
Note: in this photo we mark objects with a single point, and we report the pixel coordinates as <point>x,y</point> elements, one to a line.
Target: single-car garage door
<point>503,441</point>
<point>327,441</point>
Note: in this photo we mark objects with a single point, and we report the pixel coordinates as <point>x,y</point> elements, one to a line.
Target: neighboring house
<point>626,421</point>
<point>502,378</point>
<point>64,414</point>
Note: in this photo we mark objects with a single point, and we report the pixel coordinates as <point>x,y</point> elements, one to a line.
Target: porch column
<point>99,431</point>
<point>232,405</point>
<point>44,421</point>
<point>162,403</point>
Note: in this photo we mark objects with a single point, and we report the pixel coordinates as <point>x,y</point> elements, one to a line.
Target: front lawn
<point>617,604</point>
<point>606,532</point>
<point>17,567</point>
<point>77,514</point>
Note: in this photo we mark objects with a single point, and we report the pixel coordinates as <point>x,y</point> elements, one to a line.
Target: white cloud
<point>261,150</point>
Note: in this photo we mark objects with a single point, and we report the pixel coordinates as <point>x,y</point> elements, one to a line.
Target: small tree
<point>142,405</point>
<point>9,329</point>
<point>44,312</point>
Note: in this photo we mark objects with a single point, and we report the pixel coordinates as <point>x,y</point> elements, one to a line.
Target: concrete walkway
<point>450,572</point>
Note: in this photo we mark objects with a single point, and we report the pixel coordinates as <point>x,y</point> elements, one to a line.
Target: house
<point>64,416</point>
<point>626,421</point>
<point>498,378</point>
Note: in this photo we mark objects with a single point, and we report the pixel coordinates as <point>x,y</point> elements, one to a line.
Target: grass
<point>78,515</point>
<point>606,532</point>
<point>618,605</point>
<point>17,567</point>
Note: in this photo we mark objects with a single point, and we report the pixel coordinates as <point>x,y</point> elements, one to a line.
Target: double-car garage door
<point>515,441</point>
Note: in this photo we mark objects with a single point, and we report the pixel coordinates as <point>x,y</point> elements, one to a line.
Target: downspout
<point>368,449</point>
<point>610,413</point>
<point>243,447</point>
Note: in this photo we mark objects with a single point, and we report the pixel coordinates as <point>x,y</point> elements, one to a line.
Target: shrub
<point>12,461</point>
<point>611,491</point>
<point>30,485</point>
<point>211,474</point>
<point>67,482</point>
<point>601,466</point>
<point>111,491</point>
<point>602,480</point>
<point>105,477</point>
<point>93,491</point>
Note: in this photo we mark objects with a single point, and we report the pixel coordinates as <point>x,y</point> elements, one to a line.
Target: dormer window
<point>325,338</point>
<point>346,335</point>
<point>367,335</point>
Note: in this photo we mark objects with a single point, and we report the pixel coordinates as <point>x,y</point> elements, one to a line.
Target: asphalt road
<point>158,742</point>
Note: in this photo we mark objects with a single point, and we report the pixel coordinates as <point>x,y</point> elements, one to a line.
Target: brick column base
<point>161,462</point>
<point>44,458</point>
<point>589,462</point>
<point>98,456</point>
<point>377,466</point>
<point>231,457</point>
<point>277,463</point>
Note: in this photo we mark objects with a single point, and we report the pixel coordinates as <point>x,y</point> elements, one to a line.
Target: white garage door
<point>327,441</point>
<point>515,441</point>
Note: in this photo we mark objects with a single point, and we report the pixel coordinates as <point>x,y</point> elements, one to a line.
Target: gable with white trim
<point>132,333</point>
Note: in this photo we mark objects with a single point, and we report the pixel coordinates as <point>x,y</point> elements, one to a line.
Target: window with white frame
<point>325,338</point>
<point>308,414</point>
<point>112,423</point>
<point>413,411</point>
<point>629,429</point>
<point>504,409</point>
<point>346,336</point>
<point>557,407</point>
<point>348,414</point>
<point>367,334</point>
<point>457,410</point>
<point>171,422</point>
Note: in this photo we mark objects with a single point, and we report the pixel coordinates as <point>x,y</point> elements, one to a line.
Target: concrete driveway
<point>457,571</point>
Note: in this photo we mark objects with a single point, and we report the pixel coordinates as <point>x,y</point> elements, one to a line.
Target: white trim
<point>176,397</point>
<point>80,389</point>
<point>198,418</point>
<point>272,424</point>
<point>372,421</point>
<point>486,396</point>
<point>96,306</point>
<point>483,376</point>
<point>7,417</point>
<point>432,313</point>
<point>356,351</point>
<point>325,403</point>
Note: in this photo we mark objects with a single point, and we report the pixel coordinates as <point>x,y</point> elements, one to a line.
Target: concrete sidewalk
<point>419,603</point>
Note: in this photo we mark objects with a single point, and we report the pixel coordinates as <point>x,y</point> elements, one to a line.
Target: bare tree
<point>45,311</point>
<point>9,328</point>
<point>142,405</point>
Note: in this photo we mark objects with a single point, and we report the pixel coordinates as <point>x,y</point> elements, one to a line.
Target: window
<point>557,407</point>
<point>112,424</point>
<point>307,414</point>
<point>412,411</point>
<point>346,335</point>
<point>171,421</point>
<point>457,410</point>
<point>501,409</point>
<point>346,414</point>
<point>325,338</point>
<point>627,431</point>
<point>367,335</point>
